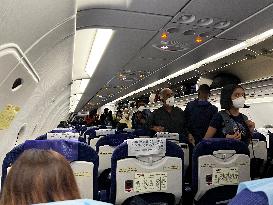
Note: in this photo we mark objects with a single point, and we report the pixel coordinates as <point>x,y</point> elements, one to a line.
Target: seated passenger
<point>39,176</point>
<point>168,118</point>
<point>199,113</point>
<point>229,122</point>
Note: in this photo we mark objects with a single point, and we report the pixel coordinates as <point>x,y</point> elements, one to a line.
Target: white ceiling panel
<point>163,7</point>
<point>18,10</point>
<point>50,40</point>
<point>120,19</point>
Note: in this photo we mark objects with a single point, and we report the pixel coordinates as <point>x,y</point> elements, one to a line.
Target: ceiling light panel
<point>224,62</point>
<point>83,43</point>
<point>101,41</point>
<point>267,44</point>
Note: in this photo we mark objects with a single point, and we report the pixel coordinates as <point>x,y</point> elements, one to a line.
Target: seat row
<point>147,166</point>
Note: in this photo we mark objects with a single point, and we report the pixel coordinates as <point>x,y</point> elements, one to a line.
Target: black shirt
<point>173,122</point>
<point>239,125</point>
<point>198,116</point>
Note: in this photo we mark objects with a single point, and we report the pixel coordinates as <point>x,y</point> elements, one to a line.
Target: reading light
<point>198,39</point>
<point>102,39</point>
<point>164,36</point>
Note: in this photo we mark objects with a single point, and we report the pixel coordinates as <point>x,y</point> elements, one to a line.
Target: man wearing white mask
<point>168,118</point>
<point>230,123</point>
<point>140,117</point>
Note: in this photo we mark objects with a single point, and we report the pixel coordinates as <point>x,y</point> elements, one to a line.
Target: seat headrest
<point>69,149</point>
<point>172,150</point>
<point>260,136</point>
<point>113,140</point>
<point>207,147</point>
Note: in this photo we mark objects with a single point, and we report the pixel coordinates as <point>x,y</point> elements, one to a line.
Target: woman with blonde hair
<point>39,176</point>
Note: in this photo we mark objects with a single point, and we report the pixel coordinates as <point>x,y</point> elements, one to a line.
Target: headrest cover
<point>146,146</point>
<point>64,135</point>
<point>167,135</point>
<point>103,132</point>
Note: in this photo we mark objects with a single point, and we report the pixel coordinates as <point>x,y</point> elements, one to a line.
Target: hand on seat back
<point>251,125</point>
<point>236,136</point>
<point>158,128</point>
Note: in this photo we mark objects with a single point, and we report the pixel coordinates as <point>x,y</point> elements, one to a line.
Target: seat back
<point>258,149</point>
<point>186,151</point>
<point>99,133</point>
<point>218,167</point>
<point>84,161</point>
<point>173,137</point>
<point>154,161</point>
<point>254,192</point>
<point>106,146</point>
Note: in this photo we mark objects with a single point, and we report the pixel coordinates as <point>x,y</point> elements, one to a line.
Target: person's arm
<point>215,124</point>
<point>210,132</point>
<point>251,125</point>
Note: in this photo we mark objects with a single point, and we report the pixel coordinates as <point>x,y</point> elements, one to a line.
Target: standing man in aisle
<point>168,118</point>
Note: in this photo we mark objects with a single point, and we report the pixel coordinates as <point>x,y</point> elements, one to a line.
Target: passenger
<point>140,117</point>
<point>198,114</point>
<point>125,120</point>
<point>105,118</point>
<point>39,176</point>
<point>91,119</point>
<point>168,118</point>
<point>110,119</point>
<point>229,122</point>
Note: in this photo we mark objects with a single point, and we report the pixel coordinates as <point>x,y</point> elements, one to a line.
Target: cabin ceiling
<point>133,58</point>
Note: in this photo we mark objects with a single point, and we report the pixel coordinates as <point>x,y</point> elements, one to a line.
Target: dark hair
<point>39,176</point>
<point>204,88</point>
<point>226,93</point>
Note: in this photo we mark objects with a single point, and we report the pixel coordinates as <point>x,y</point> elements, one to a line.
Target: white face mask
<point>141,108</point>
<point>170,101</point>
<point>239,102</point>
